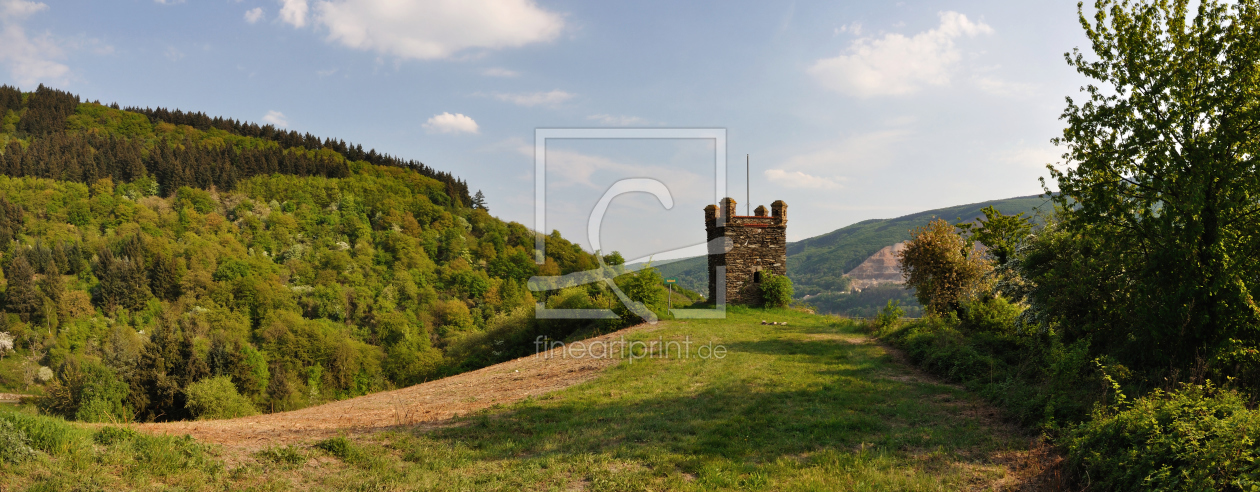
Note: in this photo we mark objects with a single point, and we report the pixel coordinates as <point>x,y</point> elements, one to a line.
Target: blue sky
<point>850,110</point>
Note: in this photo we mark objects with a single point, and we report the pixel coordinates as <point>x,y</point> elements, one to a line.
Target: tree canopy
<point>1162,176</point>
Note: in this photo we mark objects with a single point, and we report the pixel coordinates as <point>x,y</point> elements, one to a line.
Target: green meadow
<point>810,405</point>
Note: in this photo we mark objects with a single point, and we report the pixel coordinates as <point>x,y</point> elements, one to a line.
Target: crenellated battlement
<point>758,244</point>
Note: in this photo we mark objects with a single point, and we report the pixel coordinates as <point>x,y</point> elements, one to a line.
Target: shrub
<point>776,290</point>
<point>889,315</point>
<point>1195,438</point>
<point>15,447</point>
<point>216,398</point>
<point>645,286</point>
<point>339,447</point>
<point>87,391</point>
<point>109,436</point>
<point>992,315</point>
<point>285,456</point>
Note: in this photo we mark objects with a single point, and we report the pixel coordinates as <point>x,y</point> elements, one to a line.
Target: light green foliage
<point>217,398</point>
<point>645,286</point>
<point>1001,234</point>
<point>989,314</point>
<point>370,277</point>
<point>776,290</point>
<point>1161,184</point>
<point>1195,438</point>
<point>889,316</point>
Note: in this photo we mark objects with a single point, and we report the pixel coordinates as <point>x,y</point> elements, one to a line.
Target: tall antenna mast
<point>747,185</point>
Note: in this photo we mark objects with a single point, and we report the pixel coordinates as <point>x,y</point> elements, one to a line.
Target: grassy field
<point>808,406</point>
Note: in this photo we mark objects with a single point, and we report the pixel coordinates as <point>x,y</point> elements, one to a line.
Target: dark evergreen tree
<point>123,283</point>
<point>20,296</point>
<point>479,201</point>
<point>165,278</point>
<point>52,284</point>
<point>47,110</point>
<point>10,99</point>
<point>155,383</point>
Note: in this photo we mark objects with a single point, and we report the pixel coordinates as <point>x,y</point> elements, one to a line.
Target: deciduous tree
<point>1163,175</point>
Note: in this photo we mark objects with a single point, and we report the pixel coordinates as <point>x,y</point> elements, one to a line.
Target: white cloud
<point>30,59</point>
<point>276,118</point>
<point>254,15</point>
<point>610,120</point>
<point>294,12</point>
<point>169,2</point>
<point>863,151</point>
<point>797,179</point>
<point>173,54</point>
<point>20,9</point>
<point>500,72</point>
<point>532,99</point>
<point>431,29</point>
<point>895,64</point>
<point>451,123</point>
<point>854,29</point>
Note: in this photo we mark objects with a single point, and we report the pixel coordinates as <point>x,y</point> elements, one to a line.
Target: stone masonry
<point>758,244</point>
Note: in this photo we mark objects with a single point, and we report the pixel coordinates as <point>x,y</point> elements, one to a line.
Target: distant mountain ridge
<point>817,264</point>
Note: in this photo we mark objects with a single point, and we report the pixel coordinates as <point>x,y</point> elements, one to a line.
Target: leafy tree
<point>1164,180</point>
<point>941,267</point>
<point>1001,234</point>
<point>614,259</point>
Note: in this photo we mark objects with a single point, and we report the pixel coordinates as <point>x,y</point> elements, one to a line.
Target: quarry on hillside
<point>879,268</point>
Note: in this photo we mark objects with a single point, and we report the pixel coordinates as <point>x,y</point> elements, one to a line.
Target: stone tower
<point>758,244</point>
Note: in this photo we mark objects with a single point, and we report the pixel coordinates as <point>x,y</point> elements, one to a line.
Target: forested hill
<point>51,134</point>
<point>164,265</point>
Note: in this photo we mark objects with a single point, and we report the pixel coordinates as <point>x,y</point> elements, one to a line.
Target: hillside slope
<point>810,405</point>
<point>153,259</point>
<point>816,264</point>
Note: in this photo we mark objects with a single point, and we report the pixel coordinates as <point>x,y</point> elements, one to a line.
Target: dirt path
<point>429,403</point>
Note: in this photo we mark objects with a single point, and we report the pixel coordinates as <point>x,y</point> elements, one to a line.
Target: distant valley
<point>818,265</point>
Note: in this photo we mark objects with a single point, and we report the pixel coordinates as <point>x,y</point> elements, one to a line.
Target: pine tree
<point>52,284</point>
<point>123,281</point>
<point>164,277</point>
<point>21,297</point>
<point>479,201</point>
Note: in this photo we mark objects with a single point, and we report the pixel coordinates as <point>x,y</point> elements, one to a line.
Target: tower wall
<point>758,244</point>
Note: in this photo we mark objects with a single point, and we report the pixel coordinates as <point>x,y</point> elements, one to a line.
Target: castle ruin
<point>758,243</point>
